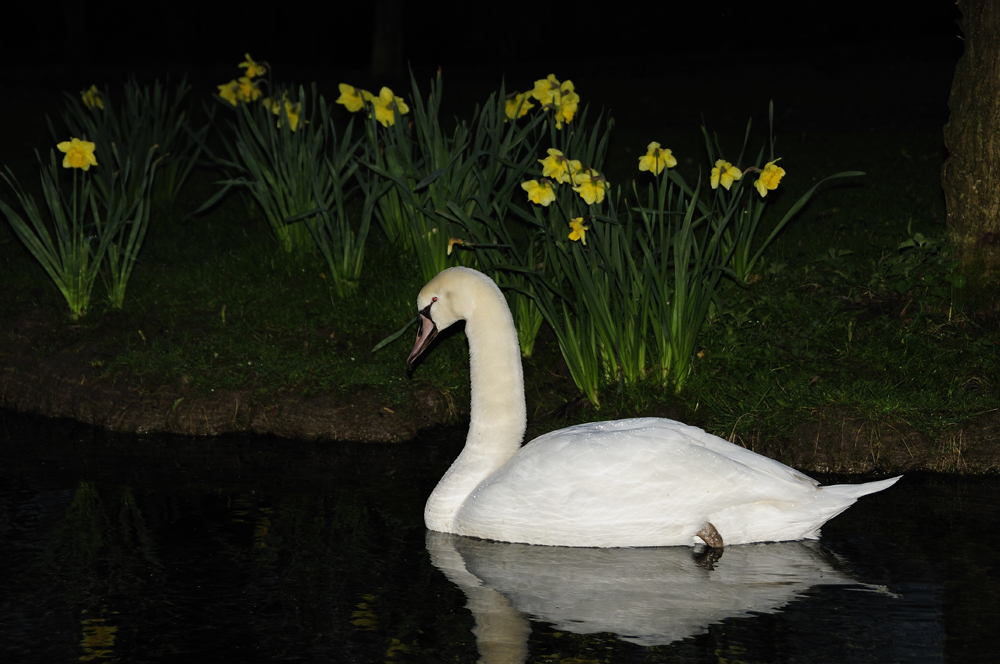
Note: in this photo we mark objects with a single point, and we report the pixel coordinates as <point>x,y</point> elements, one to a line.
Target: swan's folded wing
<point>623,483</point>
<point>652,427</point>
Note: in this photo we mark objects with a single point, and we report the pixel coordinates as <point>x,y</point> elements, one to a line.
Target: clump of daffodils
<point>723,173</point>
<point>557,168</point>
<point>770,176</point>
<point>245,88</point>
<point>557,96</point>
<point>383,105</point>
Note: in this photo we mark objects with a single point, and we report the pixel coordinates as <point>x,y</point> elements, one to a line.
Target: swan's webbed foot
<point>710,536</point>
<point>706,557</point>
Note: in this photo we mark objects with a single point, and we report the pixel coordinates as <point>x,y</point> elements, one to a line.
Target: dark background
<point>828,66</point>
<point>190,34</point>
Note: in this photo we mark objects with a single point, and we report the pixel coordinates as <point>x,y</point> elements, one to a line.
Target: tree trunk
<point>971,174</point>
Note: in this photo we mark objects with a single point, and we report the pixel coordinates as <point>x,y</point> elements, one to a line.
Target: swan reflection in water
<point>647,596</point>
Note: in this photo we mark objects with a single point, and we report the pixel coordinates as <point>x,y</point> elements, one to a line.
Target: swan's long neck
<point>498,417</point>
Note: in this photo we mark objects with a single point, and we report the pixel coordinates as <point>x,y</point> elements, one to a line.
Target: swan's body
<point>637,482</point>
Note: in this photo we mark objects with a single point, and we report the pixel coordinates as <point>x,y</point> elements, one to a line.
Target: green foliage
<point>117,191</point>
<point>440,180</point>
<point>125,222</point>
<point>744,216</point>
<point>515,240</point>
<point>631,290</point>
<point>846,306</point>
<point>921,266</point>
<point>69,258</point>
<point>682,289</point>
<point>427,169</point>
<point>235,313</point>
<point>117,222</point>
<point>297,168</point>
<point>146,118</point>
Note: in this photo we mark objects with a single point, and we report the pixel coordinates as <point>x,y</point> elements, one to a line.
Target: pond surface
<point>263,550</point>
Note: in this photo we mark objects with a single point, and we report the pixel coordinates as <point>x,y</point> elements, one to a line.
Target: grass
<point>216,304</point>
<point>837,318</point>
<point>826,326</point>
<point>241,312</point>
<point>805,344</point>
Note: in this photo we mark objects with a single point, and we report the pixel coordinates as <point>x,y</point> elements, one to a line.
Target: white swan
<point>623,483</point>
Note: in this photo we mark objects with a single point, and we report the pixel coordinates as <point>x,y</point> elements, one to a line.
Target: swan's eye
<point>426,311</point>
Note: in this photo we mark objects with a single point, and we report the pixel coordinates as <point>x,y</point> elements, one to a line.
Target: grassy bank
<point>839,315</point>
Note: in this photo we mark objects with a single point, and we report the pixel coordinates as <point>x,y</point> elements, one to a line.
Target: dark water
<point>250,550</point>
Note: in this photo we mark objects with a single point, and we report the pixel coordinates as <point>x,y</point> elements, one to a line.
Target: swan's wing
<point>657,431</point>
<point>735,452</point>
<point>622,483</point>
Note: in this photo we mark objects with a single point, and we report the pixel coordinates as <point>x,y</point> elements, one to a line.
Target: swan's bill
<point>425,335</point>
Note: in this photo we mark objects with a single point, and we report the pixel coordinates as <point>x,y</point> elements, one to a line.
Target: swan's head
<point>449,297</point>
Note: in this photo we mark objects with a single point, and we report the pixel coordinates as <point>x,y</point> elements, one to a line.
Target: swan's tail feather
<point>834,499</point>
<point>774,521</point>
<point>854,491</point>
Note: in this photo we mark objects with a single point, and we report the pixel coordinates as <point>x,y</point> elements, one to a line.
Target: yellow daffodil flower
<point>229,91</point>
<point>549,90</point>
<point>92,98</point>
<point>248,90</point>
<point>384,105</point>
<point>769,177</point>
<point>291,110</point>
<point>253,69</point>
<point>725,174</point>
<point>565,107</point>
<point>544,88</point>
<point>79,154</point>
<point>556,96</point>
<point>353,98</point>
<point>656,159</point>
<point>590,185</point>
<point>558,167</point>
<point>539,193</point>
<point>579,231</point>
<point>518,104</point>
